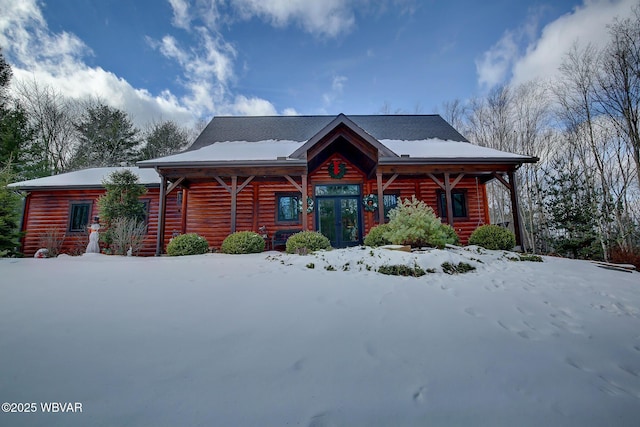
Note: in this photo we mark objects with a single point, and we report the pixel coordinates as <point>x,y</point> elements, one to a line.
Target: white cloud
<point>337,88</point>
<point>324,18</point>
<point>57,60</point>
<point>244,106</point>
<point>181,17</point>
<point>520,56</point>
<point>587,24</point>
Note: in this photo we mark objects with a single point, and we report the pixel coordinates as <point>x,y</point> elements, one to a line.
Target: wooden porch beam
<point>175,184</point>
<point>447,195</point>
<point>294,183</point>
<point>457,180</point>
<point>224,184</point>
<point>436,180</point>
<point>380,198</point>
<point>502,180</point>
<point>515,208</point>
<point>161,216</point>
<point>183,216</point>
<point>245,183</point>
<point>304,203</point>
<point>234,199</point>
<point>389,181</point>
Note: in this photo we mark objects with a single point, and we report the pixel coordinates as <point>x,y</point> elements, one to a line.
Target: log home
<point>336,174</point>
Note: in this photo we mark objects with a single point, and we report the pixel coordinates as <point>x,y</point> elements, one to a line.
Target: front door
<point>338,214</point>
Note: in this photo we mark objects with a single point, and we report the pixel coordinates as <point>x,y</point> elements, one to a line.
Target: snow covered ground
<point>264,340</point>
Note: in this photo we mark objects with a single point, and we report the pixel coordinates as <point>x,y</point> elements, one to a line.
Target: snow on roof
<point>438,148</point>
<point>247,151</point>
<point>92,177</point>
<point>233,151</point>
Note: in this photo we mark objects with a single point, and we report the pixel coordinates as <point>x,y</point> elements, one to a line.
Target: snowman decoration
<point>93,247</point>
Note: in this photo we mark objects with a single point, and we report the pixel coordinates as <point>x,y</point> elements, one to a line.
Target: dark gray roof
<point>302,128</point>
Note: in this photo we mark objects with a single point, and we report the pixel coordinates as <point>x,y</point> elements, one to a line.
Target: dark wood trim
<point>380,197</point>
<point>502,180</point>
<point>161,216</point>
<point>447,192</point>
<point>222,183</point>
<point>234,202</point>
<point>244,184</point>
<point>436,180</point>
<point>175,184</point>
<point>390,181</point>
<point>515,209</point>
<point>305,195</point>
<point>183,213</point>
<point>24,220</point>
<point>457,180</point>
<point>294,183</point>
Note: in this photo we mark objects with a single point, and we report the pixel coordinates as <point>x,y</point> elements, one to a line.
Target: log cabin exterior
<point>336,174</point>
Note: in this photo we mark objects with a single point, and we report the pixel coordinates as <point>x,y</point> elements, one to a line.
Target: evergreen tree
<point>9,215</point>
<point>573,215</point>
<point>14,130</point>
<point>122,198</point>
<point>122,212</point>
<point>106,137</point>
<point>164,139</point>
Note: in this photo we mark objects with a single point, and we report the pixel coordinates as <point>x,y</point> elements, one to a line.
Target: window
<point>458,201</point>
<point>79,216</point>
<point>287,208</point>
<point>390,202</point>
<point>338,190</point>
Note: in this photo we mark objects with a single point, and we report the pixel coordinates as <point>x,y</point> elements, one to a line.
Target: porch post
<point>380,198</point>
<point>515,208</point>
<point>447,195</point>
<point>304,203</point>
<point>161,216</point>
<point>234,198</point>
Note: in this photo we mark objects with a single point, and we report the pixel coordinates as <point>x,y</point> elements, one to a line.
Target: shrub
<point>52,239</point>
<point>461,267</point>
<point>187,244</point>
<point>127,233</point>
<point>376,237</point>
<point>451,234</point>
<point>311,240</point>
<point>414,223</point>
<point>243,242</point>
<point>401,270</point>
<point>493,237</point>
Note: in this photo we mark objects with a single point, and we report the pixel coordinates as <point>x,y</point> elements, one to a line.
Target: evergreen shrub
<point>376,237</point>
<point>243,242</point>
<point>493,237</point>
<point>310,240</point>
<point>414,223</point>
<point>187,244</point>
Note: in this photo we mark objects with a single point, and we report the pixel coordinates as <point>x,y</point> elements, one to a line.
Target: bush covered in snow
<point>243,242</point>
<point>414,223</point>
<point>493,237</point>
<point>309,240</point>
<point>376,237</point>
<point>187,244</point>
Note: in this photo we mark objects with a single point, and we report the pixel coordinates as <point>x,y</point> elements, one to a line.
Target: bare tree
<point>619,81</point>
<point>52,116</point>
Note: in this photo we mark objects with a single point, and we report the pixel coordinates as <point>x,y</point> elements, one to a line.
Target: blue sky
<point>192,59</point>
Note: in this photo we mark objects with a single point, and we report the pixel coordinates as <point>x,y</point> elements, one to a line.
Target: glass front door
<point>339,220</point>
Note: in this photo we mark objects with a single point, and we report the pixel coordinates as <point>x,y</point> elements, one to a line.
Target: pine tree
<point>9,215</point>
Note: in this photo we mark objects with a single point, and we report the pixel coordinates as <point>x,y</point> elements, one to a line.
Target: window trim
<point>442,204</point>
<point>72,205</point>
<point>386,212</point>
<point>280,195</point>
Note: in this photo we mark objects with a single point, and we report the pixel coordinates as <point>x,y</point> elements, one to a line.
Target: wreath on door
<point>370,202</point>
<point>309,205</point>
<point>337,169</point>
